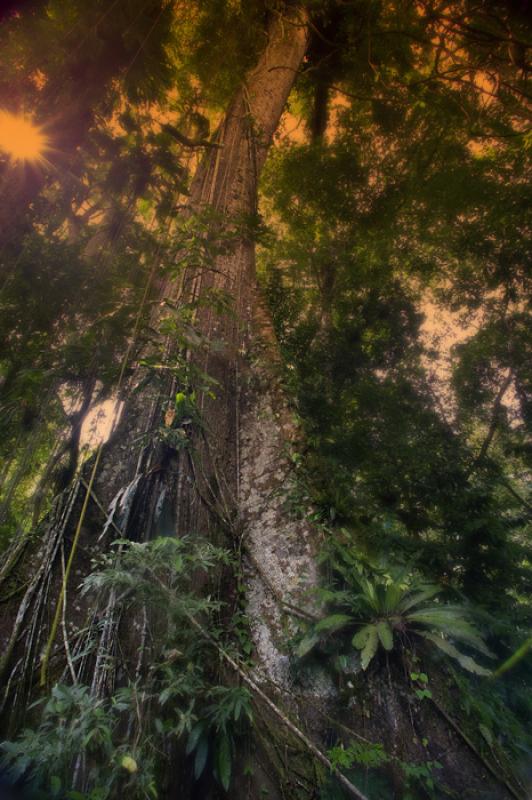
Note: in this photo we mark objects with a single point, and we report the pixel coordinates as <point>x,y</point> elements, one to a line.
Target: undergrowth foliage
<point>88,747</point>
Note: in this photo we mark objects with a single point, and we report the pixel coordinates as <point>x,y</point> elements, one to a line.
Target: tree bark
<point>231,476</point>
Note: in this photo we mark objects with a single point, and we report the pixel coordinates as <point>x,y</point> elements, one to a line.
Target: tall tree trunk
<point>231,475</point>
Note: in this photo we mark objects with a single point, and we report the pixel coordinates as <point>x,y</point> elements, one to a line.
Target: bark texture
<point>232,477</point>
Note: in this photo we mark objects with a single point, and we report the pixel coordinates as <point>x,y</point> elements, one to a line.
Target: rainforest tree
<point>289,558</point>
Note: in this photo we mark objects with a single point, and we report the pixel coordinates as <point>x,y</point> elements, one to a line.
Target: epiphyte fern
<point>374,610</point>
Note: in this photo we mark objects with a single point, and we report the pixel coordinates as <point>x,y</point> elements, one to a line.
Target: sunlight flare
<point>21,138</point>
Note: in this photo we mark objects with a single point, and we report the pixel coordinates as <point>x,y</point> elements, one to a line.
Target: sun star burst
<point>21,138</point>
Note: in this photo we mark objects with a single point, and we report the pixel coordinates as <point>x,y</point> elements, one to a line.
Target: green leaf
<point>223,761</point>
<point>202,751</point>
<point>361,637</point>
<point>392,596</point>
<point>450,620</point>
<point>449,649</point>
<point>486,733</point>
<point>370,647</point>
<point>369,593</point>
<point>385,635</point>
<point>334,622</point>
<point>194,737</point>
<point>307,644</point>
<point>413,599</point>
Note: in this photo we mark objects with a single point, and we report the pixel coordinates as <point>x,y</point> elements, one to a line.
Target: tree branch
<point>495,417</point>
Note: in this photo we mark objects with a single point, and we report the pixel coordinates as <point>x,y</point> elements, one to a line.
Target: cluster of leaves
<point>418,192</point>
<point>214,734</point>
<point>349,308</point>
<point>363,755</point>
<point>85,746</point>
<point>388,609</point>
<point>78,731</point>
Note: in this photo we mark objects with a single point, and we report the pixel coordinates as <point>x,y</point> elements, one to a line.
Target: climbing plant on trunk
<point>189,452</point>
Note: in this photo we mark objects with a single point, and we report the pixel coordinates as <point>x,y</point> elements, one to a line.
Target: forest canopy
<point>265,399</point>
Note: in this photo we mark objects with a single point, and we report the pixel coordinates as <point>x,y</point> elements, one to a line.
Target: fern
<point>386,608</point>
